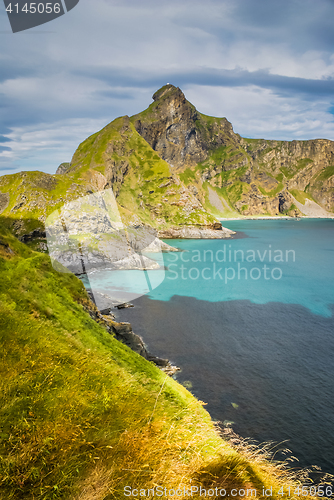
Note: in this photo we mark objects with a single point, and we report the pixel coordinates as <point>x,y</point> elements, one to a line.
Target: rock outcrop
<point>177,131</point>
<point>123,332</point>
<point>4,201</point>
<point>63,168</point>
<point>250,176</point>
<point>88,234</point>
<point>177,170</point>
<point>195,233</point>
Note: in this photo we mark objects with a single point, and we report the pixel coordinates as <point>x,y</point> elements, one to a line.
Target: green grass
<point>236,191</point>
<point>69,390</point>
<point>325,174</point>
<point>295,168</point>
<point>188,176</point>
<point>148,173</point>
<point>91,153</point>
<point>273,192</point>
<point>233,175</point>
<point>120,149</point>
<point>252,141</point>
<point>120,143</point>
<point>210,120</point>
<point>81,415</point>
<point>43,194</point>
<point>301,196</point>
<point>252,144</point>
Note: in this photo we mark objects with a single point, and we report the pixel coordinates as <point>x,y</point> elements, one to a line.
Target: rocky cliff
<point>176,170</point>
<point>231,175</point>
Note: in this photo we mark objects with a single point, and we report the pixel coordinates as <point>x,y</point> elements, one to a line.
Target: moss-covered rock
<point>174,167</point>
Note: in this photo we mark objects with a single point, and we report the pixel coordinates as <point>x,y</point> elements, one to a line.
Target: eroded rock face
<point>292,166</point>
<point>196,232</point>
<point>267,169</point>
<point>209,171</point>
<point>33,235</point>
<point>123,332</point>
<point>88,234</point>
<point>4,201</point>
<point>63,168</point>
<point>177,131</point>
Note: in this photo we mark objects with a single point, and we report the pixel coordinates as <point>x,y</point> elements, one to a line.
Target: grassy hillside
<point>173,166</point>
<point>146,189</point>
<point>81,415</point>
<point>142,181</point>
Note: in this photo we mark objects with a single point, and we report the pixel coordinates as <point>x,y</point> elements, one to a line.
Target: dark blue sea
<point>250,322</point>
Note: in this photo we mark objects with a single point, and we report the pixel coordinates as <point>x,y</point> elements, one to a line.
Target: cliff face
<point>297,170</point>
<point>175,169</point>
<point>178,132</point>
<point>231,175</point>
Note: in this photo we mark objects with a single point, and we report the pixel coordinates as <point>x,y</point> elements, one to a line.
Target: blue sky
<point>267,66</point>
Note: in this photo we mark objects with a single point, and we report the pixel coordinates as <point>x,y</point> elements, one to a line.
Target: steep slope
<point>250,176</point>
<point>147,191</point>
<point>142,181</point>
<point>176,170</point>
<point>179,133</point>
<point>82,416</point>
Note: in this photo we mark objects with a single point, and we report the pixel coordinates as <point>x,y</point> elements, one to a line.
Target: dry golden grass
<point>82,416</point>
<point>160,454</point>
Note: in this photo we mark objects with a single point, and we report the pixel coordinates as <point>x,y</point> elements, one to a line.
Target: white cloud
<point>105,58</point>
<point>259,113</point>
<point>44,146</point>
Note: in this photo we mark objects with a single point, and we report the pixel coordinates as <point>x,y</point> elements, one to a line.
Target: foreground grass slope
<point>81,415</point>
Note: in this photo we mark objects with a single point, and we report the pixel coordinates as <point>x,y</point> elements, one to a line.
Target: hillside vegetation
<point>82,416</point>
<point>171,166</point>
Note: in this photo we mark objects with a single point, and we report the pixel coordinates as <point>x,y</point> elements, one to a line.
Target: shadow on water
<point>268,368</point>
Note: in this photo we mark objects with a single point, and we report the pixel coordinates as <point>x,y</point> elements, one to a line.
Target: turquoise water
<point>305,277</point>
<point>259,351</point>
<point>291,262</point>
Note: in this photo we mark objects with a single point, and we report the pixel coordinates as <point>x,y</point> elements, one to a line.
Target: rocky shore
<point>198,233</point>
<point>124,333</point>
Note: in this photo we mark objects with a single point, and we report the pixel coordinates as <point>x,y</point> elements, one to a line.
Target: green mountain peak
<point>163,91</point>
<point>178,170</point>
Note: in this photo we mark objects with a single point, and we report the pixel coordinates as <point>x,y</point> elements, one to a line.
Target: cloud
<point>267,66</point>
<point>4,139</point>
<point>259,113</point>
<point>45,146</point>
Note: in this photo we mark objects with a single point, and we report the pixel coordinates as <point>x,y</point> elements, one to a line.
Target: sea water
<point>250,322</point>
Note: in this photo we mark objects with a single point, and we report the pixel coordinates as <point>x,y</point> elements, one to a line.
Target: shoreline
<point>136,343</point>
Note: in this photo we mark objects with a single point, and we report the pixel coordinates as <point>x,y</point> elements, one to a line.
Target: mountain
<point>228,173</point>
<point>83,416</point>
<point>177,170</point>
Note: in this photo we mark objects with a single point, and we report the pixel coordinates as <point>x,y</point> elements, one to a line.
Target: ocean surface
<point>250,322</point>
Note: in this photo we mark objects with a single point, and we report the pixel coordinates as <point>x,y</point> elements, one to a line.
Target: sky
<point>267,66</point>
